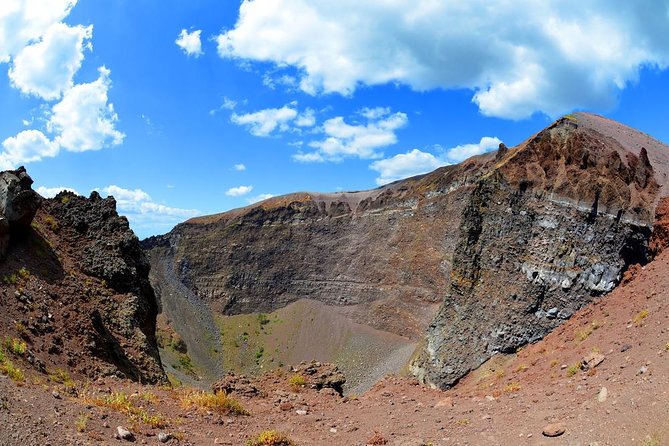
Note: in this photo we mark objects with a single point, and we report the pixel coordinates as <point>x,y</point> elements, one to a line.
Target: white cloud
<point>258,198</point>
<point>238,191</point>
<point>83,119</point>
<point>228,104</point>
<point>306,118</point>
<point>46,68</point>
<point>374,113</point>
<point>264,122</point>
<point>516,57</point>
<point>417,162</point>
<point>50,192</point>
<point>464,151</point>
<point>142,211</point>
<point>239,167</point>
<point>126,195</point>
<point>190,43</point>
<point>343,140</point>
<point>309,157</point>
<point>405,165</point>
<point>25,21</point>
<point>26,147</point>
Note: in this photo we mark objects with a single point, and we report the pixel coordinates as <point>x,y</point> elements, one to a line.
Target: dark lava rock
<point>18,204</point>
<point>238,384</point>
<point>322,375</point>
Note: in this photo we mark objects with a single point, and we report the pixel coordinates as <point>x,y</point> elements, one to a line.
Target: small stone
<point>56,395</point>
<point>333,430</point>
<point>642,370</point>
<point>603,394</point>
<point>163,437</point>
<point>301,412</point>
<point>553,430</point>
<point>593,360</point>
<point>563,366</point>
<point>446,402</point>
<point>124,433</point>
<point>286,406</point>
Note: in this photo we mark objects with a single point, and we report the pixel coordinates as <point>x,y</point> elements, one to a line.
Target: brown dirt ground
<point>507,401</point>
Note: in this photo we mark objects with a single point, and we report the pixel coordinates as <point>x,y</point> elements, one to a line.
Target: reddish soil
<point>507,401</point>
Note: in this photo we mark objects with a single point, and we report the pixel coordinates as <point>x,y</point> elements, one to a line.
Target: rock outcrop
<point>77,290</point>
<point>18,204</point>
<point>473,259</point>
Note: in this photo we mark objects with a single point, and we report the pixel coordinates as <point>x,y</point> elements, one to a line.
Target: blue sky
<point>187,108</point>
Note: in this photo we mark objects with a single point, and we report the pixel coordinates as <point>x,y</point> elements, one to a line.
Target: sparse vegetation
<point>21,329</point>
<point>23,273</point>
<point>80,424</point>
<point>639,317</point>
<point>120,402</point>
<point>512,387</point>
<point>573,369</point>
<point>651,440</point>
<point>185,364</point>
<point>274,438</point>
<point>174,381</point>
<point>215,402</point>
<point>60,376</point>
<point>15,346</point>
<point>263,319</point>
<point>7,367</point>
<point>51,223</point>
<point>554,362</point>
<point>521,368</point>
<point>11,279</point>
<point>19,276</point>
<point>297,381</point>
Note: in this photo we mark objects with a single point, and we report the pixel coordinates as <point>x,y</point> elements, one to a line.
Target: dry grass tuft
<point>297,382</point>
<point>215,402</point>
<point>271,438</point>
<point>639,317</point>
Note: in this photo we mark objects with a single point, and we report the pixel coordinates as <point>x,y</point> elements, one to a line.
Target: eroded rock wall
<point>551,228</point>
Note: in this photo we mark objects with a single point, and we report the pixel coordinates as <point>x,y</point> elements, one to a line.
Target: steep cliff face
<point>76,290</point>
<point>383,257</point>
<point>551,228</point>
<point>470,259</point>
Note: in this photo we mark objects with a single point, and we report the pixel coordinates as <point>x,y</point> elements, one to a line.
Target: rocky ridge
<point>508,244</point>
<point>76,288</point>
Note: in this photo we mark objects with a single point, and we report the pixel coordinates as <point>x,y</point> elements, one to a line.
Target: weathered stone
<point>602,395</point>
<point>18,204</point>
<point>238,384</point>
<point>124,434</point>
<point>554,430</point>
<point>592,360</point>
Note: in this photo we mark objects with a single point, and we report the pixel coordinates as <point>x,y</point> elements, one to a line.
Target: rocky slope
<point>472,259</point>
<point>75,287</point>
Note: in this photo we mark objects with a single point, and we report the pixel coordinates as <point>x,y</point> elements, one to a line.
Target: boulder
<point>18,204</point>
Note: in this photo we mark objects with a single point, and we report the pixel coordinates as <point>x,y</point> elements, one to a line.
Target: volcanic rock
<point>18,204</point>
<point>471,260</point>
<point>83,297</point>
